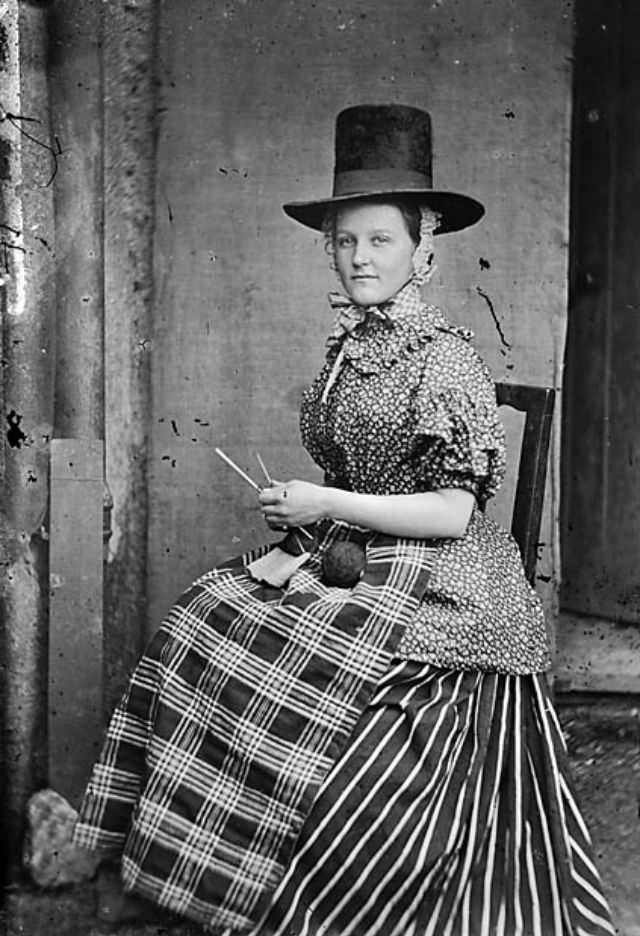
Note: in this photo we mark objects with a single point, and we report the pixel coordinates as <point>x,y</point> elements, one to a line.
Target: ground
<point>604,750</point>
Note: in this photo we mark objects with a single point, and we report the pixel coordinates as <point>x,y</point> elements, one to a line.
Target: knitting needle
<point>264,468</point>
<point>265,472</point>
<point>250,481</point>
<point>237,469</point>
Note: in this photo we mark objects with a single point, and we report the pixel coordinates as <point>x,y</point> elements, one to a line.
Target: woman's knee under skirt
<point>449,814</point>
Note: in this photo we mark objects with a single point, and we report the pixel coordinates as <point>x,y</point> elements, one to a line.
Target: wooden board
<point>75,637</point>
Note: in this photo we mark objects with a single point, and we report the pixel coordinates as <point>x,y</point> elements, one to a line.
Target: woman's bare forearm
<point>428,515</point>
<point>442,514</point>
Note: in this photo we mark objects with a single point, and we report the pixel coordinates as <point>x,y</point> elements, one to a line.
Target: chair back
<point>537,405</point>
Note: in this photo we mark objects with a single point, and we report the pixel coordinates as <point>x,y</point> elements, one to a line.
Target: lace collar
<point>378,336</point>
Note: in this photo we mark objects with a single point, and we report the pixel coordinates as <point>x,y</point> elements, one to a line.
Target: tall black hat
<point>383,150</point>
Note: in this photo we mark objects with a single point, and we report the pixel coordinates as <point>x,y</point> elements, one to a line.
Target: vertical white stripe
<point>488,878</point>
<point>518,780</point>
<point>14,279</point>
<point>536,914</point>
<point>575,811</point>
<point>544,716</point>
<point>465,914</point>
<point>550,712</point>
<point>556,900</point>
<point>502,920</point>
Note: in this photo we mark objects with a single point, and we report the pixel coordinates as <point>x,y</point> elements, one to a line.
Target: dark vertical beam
<point>601,438</point>
<point>27,297</point>
<point>585,413</point>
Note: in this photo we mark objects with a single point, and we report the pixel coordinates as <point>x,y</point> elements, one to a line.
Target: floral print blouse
<point>404,404</point>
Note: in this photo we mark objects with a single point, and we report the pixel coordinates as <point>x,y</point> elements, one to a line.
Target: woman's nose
<point>360,255</point>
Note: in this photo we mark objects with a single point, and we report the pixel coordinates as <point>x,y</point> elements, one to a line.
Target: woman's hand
<point>292,504</point>
<point>442,514</point>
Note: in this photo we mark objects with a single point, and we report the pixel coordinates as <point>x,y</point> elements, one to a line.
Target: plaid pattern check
<point>233,718</point>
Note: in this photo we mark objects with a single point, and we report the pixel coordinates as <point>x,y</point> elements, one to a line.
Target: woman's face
<point>373,251</point>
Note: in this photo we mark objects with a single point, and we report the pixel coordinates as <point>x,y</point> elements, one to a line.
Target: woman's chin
<point>367,296</point>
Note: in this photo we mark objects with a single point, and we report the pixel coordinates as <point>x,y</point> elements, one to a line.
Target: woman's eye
<point>380,239</point>
<point>344,241</point>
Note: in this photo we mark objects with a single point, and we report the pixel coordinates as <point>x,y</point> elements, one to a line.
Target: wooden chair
<point>537,403</point>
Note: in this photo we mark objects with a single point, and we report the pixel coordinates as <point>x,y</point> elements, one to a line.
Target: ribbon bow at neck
<point>351,316</point>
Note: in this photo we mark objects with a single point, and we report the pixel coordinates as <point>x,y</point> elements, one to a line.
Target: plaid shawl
<point>244,699</point>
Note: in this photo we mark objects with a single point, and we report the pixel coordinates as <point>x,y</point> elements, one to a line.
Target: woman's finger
<point>273,495</point>
<point>273,510</point>
<point>275,523</point>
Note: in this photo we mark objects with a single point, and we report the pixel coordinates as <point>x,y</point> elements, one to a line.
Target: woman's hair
<point>411,213</point>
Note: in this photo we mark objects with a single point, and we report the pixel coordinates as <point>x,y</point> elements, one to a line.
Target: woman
<point>381,758</point>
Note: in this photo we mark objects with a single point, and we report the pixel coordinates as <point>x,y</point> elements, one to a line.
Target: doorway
<point>599,626</point>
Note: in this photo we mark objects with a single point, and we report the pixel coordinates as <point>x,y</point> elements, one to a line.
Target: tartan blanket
<point>244,699</point>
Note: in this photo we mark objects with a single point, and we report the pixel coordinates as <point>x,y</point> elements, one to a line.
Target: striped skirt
<point>450,814</point>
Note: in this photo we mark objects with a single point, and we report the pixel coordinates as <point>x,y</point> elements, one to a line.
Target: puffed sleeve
<point>458,436</point>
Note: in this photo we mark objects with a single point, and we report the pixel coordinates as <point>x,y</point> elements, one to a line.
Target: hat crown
<point>383,151</point>
<point>393,139</point>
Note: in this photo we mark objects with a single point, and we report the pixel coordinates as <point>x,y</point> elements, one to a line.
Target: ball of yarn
<point>343,563</point>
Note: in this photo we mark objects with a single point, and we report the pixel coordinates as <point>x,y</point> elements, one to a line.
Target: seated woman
<point>380,759</point>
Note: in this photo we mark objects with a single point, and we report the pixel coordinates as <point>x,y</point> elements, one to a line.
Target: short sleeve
<point>459,439</point>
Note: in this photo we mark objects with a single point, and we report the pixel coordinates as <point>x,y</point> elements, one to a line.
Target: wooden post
<point>78,485</point>
<point>27,308</point>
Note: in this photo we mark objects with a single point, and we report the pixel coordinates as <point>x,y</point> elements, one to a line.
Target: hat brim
<point>456,211</point>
